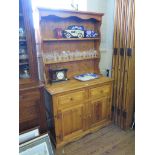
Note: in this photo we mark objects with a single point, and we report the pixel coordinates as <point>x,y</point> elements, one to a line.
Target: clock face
<point>60,75</point>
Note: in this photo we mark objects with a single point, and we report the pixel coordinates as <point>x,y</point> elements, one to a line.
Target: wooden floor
<point>109,140</point>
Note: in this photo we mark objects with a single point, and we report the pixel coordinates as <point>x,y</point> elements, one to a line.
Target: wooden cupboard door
<point>71,122</point>
<point>100,111</point>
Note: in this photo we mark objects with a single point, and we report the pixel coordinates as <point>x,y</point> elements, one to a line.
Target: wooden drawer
<point>28,110</point>
<point>101,91</point>
<point>70,98</point>
<point>29,105</point>
<point>29,95</point>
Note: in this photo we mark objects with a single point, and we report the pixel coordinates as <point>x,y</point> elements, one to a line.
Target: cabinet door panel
<point>67,122</point>
<point>100,110</point>
<point>71,121</point>
<point>77,118</point>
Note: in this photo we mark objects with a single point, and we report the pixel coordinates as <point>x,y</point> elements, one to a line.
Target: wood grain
<point>79,107</point>
<point>123,64</point>
<point>52,19</point>
<point>31,102</point>
<point>109,140</point>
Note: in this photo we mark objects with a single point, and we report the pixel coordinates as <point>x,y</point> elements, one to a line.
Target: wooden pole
<point>126,40</point>
<point>114,58</point>
<point>119,60</point>
<point>128,70</point>
<point>130,86</point>
<point>123,62</point>
<point>122,55</point>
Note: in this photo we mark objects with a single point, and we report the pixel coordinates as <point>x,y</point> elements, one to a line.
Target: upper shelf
<point>68,39</point>
<point>70,13</point>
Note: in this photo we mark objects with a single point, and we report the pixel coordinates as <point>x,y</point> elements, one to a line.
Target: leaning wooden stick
<point>125,42</point>
<point>130,90</point>
<point>122,54</point>
<point>118,61</point>
<point>126,68</point>
<point>129,80</point>
<point>115,56</point>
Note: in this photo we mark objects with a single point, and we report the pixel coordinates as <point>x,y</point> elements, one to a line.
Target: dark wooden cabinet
<point>28,72</point>
<point>31,108</point>
<point>31,100</point>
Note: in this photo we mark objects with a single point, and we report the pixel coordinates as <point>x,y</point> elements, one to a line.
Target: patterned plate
<point>86,76</point>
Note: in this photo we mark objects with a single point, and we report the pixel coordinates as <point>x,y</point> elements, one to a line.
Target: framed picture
<point>38,146</point>
<point>28,135</point>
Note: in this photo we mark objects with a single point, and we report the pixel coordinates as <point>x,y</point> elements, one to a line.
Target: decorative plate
<point>86,76</point>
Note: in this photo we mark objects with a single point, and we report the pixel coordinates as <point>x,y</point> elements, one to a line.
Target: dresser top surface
<point>74,84</point>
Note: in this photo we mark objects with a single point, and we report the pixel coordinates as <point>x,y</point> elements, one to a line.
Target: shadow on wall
<point>107,29</point>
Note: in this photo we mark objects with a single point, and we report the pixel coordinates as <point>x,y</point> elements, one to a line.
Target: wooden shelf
<point>22,40</point>
<point>20,15</point>
<point>49,42</point>
<point>80,59</point>
<point>68,39</point>
<point>24,63</point>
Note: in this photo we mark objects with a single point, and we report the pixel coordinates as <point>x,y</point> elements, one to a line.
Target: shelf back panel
<point>51,20</point>
<point>75,67</point>
<point>68,46</point>
<point>48,26</point>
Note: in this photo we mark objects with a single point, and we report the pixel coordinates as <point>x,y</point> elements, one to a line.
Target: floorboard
<point>110,140</point>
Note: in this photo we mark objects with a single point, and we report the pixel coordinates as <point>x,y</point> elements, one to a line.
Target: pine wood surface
<point>77,59</point>
<point>110,140</point>
<point>68,39</point>
<point>48,42</point>
<point>79,108</point>
<point>75,84</point>
<point>66,13</point>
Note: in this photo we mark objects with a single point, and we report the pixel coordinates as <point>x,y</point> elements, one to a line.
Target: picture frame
<point>39,146</point>
<point>29,135</point>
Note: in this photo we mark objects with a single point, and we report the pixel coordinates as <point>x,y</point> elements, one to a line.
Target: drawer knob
<point>71,99</point>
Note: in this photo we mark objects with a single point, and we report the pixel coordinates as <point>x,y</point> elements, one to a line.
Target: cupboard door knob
<point>71,99</point>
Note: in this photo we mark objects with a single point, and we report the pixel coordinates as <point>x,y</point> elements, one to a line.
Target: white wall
<point>107,27</point>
